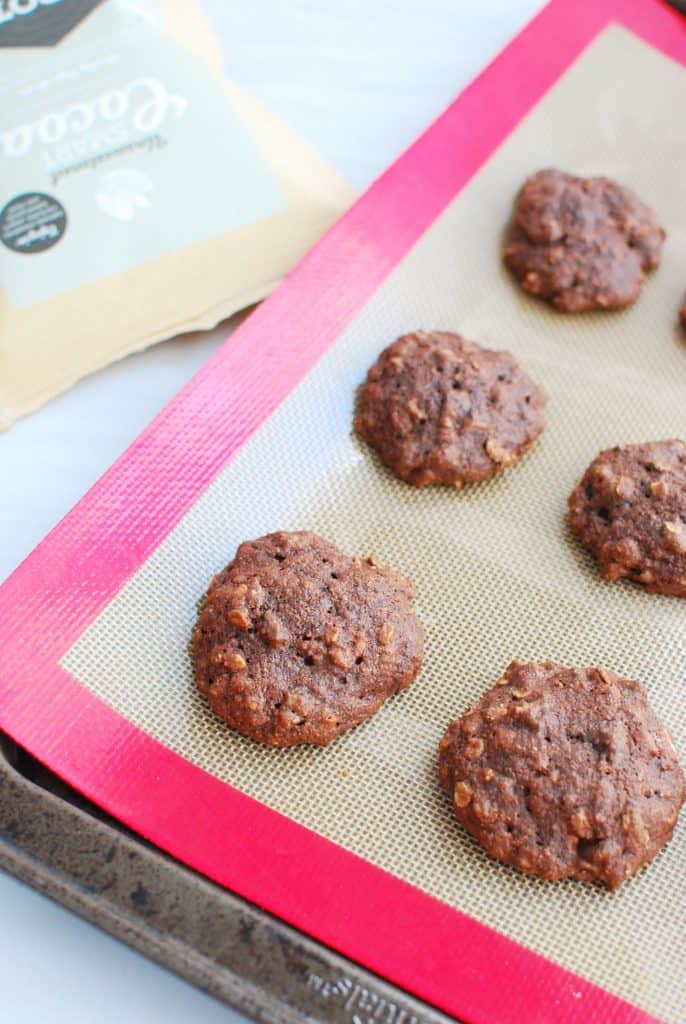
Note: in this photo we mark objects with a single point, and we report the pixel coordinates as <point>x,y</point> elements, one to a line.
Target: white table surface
<point>360,81</point>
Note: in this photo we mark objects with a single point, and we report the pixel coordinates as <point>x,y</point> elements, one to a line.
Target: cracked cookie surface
<point>296,643</point>
<point>564,773</point>
<point>582,243</point>
<point>442,410</point>
<point>630,510</point>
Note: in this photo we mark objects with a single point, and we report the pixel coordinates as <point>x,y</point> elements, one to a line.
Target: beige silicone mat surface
<point>498,576</point>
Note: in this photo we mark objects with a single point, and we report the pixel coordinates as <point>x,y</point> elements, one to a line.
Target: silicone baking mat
<point>356,843</point>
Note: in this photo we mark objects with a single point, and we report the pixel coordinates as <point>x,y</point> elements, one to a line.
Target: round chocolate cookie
<point>682,315</point>
<point>442,410</point>
<point>582,243</point>
<point>564,773</point>
<point>630,510</point>
<point>296,642</point>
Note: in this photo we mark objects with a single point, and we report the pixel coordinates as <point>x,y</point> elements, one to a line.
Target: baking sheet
<point>497,575</point>
<point>54,840</point>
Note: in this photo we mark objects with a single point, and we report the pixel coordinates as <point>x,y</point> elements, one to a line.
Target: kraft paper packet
<point>142,193</point>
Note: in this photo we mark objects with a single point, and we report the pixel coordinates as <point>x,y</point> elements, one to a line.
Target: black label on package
<point>32,222</point>
<point>40,22</point>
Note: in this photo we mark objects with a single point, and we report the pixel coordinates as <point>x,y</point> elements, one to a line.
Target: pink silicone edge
<point>425,946</point>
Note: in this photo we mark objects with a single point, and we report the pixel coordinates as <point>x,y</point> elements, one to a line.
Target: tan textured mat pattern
<point>497,575</point>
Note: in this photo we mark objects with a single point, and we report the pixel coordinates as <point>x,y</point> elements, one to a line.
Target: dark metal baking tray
<point>64,846</point>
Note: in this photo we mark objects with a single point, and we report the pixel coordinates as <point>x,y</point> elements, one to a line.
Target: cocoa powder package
<point>142,193</point>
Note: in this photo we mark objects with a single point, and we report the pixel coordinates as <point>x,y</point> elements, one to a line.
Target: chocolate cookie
<point>582,243</point>
<point>296,642</point>
<point>442,410</point>
<point>682,315</point>
<point>630,510</point>
<point>564,773</point>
